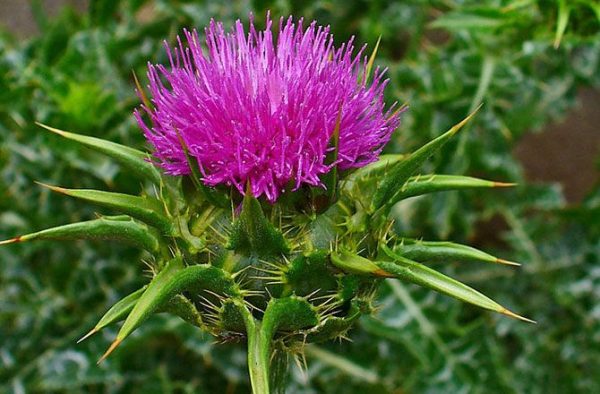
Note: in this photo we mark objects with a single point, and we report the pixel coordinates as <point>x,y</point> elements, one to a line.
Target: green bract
<point>280,275</point>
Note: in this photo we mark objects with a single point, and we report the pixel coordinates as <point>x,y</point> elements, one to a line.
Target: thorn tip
<point>112,347</point>
<point>509,313</point>
<point>504,184</point>
<point>11,240</point>
<point>89,334</point>
<point>455,129</point>
<point>507,262</point>
<point>57,189</point>
<point>51,129</point>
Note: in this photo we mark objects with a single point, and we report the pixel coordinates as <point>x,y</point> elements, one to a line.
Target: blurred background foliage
<point>525,60</point>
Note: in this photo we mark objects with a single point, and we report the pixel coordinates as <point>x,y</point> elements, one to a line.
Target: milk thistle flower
<point>270,220</point>
<point>261,110</point>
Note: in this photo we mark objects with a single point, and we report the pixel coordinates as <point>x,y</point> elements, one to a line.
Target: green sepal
<point>425,184</point>
<point>417,273</point>
<point>253,233</point>
<point>333,326</point>
<point>132,159</point>
<point>231,318</point>
<point>425,251</point>
<point>180,306</point>
<point>325,227</point>
<point>147,209</point>
<point>286,314</point>
<point>307,273</point>
<point>373,171</point>
<point>355,264</point>
<point>117,312</point>
<point>119,228</point>
<point>393,180</point>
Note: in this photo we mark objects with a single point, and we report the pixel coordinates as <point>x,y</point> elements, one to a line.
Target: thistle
<point>270,217</point>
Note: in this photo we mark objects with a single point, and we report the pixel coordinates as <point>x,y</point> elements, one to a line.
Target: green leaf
<point>117,312</point>
<point>147,209</point>
<point>254,233</point>
<point>173,279</point>
<point>561,23</point>
<point>130,158</point>
<point>394,179</point>
<point>119,228</point>
<point>424,184</point>
<point>425,251</point>
<point>476,19</point>
<point>411,271</point>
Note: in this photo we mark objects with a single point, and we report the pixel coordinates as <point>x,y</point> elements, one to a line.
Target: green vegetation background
<point>444,57</point>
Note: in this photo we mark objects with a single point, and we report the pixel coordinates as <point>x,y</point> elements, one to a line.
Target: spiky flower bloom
<point>251,114</point>
<point>258,109</point>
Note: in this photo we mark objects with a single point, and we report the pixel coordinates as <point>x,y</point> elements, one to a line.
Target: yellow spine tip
<point>463,122</point>
<point>504,184</point>
<point>89,334</point>
<point>51,129</point>
<point>506,312</point>
<point>112,347</point>
<point>57,189</point>
<point>11,241</point>
<point>507,262</point>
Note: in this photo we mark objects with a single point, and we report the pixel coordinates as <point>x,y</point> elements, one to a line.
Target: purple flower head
<point>260,109</point>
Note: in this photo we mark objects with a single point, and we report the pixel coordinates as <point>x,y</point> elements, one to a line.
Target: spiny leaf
<point>119,228</point>
<point>424,184</point>
<point>173,279</point>
<point>411,271</point>
<point>353,263</point>
<point>147,209</point>
<point>116,313</point>
<point>132,159</point>
<point>254,233</point>
<point>401,171</point>
<point>423,251</point>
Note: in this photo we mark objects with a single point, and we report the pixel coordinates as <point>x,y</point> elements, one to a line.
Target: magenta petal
<point>259,110</point>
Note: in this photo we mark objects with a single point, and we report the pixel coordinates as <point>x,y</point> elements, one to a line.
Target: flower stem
<point>258,360</point>
<point>258,353</point>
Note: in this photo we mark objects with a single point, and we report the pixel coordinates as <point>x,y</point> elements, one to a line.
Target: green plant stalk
<point>258,352</point>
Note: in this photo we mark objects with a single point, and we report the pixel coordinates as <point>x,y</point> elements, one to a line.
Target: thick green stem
<point>258,353</point>
<point>258,359</point>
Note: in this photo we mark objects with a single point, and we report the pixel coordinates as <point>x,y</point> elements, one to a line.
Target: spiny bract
<point>280,274</point>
